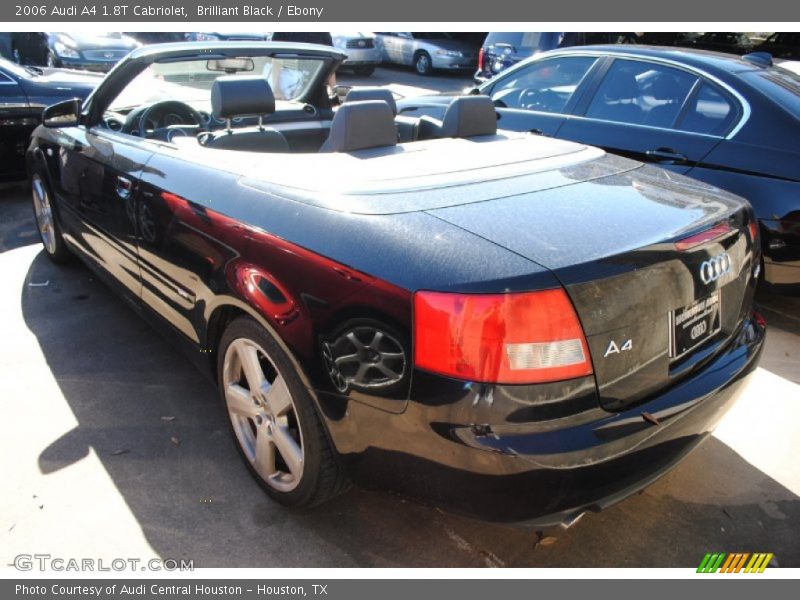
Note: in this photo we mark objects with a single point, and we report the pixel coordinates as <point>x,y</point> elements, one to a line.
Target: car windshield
<point>190,81</point>
<point>781,85</point>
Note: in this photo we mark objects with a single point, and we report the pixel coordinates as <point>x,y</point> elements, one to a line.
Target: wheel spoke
<point>239,400</point>
<point>376,340</point>
<point>290,451</point>
<point>355,341</point>
<point>278,397</point>
<point>392,355</point>
<point>264,461</point>
<point>346,359</point>
<point>387,371</point>
<point>362,372</point>
<point>248,356</point>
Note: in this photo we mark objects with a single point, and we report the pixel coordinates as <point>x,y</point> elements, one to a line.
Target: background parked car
<point>782,45</point>
<point>363,55</point>
<point>733,43</point>
<point>24,92</point>
<point>227,36</point>
<point>427,51</point>
<point>729,121</point>
<point>502,49</point>
<point>158,37</point>
<point>90,51</point>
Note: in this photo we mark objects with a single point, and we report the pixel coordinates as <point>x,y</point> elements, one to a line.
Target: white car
<point>363,55</point>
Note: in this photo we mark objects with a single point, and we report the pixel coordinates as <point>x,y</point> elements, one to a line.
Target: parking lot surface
<point>114,446</point>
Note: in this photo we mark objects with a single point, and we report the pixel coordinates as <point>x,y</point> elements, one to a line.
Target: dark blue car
<point>24,92</point>
<point>730,121</point>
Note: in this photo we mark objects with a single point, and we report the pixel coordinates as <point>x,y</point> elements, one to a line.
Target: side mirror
<point>62,114</point>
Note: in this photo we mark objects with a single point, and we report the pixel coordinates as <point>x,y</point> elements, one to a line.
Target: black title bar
<point>447,11</point>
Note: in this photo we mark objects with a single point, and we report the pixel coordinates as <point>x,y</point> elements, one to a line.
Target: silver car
<point>428,51</point>
<point>363,55</point>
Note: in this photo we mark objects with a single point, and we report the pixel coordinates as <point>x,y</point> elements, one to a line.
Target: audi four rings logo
<point>714,268</point>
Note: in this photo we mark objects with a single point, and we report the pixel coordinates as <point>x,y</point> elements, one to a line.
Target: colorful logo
<point>720,562</point>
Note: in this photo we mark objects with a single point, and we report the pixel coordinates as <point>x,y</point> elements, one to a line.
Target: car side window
<point>641,93</point>
<point>710,112</point>
<point>544,86</point>
<point>5,78</point>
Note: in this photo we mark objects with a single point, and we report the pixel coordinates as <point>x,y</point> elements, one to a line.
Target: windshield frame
<point>190,81</point>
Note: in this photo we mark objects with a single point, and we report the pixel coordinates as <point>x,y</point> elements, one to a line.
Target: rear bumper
<point>453,63</point>
<point>362,57</point>
<point>542,472</point>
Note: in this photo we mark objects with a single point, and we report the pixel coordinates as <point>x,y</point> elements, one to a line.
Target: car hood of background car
<point>61,83</point>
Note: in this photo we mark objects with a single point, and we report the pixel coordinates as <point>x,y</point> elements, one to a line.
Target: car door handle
<point>535,131</point>
<point>666,155</point>
<point>124,187</point>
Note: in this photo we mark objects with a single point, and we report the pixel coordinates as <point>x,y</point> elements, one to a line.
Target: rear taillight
<point>480,59</point>
<point>529,337</point>
<point>701,238</point>
<point>753,228</point>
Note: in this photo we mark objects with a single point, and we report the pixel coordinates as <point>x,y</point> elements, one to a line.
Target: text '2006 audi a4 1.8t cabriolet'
<point>510,326</point>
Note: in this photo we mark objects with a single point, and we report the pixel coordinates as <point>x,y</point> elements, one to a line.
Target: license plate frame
<point>695,324</point>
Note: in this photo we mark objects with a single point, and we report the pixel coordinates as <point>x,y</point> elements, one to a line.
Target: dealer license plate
<point>692,325</point>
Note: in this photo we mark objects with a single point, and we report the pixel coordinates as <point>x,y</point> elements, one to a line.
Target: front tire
<point>47,220</point>
<point>423,64</point>
<point>273,419</point>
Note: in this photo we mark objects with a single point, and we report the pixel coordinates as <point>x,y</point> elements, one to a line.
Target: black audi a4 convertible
<point>513,327</point>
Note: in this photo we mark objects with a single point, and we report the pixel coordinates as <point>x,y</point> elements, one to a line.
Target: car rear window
<point>780,85</point>
<point>710,113</point>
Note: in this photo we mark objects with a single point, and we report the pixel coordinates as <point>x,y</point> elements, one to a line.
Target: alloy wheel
<point>263,415</point>
<point>44,213</point>
<point>423,64</point>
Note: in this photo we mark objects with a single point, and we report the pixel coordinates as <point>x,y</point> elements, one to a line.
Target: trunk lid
<point>652,311</point>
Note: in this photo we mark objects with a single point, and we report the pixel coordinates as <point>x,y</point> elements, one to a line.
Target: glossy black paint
<point>24,92</point>
<point>757,157</point>
<point>191,243</point>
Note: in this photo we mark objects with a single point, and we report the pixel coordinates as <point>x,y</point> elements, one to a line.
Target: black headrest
<point>239,96</point>
<point>372,93</point>
<point>361,125</point>
<point>468,116</point>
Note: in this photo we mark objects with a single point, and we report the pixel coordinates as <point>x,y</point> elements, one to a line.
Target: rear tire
<point>47,222</point>
<point>423,64</point>
<point>273,419</point>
